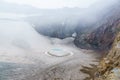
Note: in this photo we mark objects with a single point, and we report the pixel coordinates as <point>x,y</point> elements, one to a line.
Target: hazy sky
<point>55,3</point>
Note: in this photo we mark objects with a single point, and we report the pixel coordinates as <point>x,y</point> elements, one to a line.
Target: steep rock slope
<point>102,37</point>
<point>109,66</point>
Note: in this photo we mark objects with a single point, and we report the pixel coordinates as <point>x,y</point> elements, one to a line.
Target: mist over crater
<point>62,23</point>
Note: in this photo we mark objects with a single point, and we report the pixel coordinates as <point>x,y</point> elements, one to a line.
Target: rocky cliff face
<point>109,66</point>
<point>105,38</point>
<point>102,37</point>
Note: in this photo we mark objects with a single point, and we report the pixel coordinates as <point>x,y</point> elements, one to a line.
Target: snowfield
<point>23,55</point>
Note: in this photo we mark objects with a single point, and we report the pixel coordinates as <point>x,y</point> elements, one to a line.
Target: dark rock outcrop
<point>109,66</point>
<point>103,36</point>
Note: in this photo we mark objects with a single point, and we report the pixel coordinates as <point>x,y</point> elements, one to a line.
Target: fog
<point>24,52</point>
<point>52,4</point>
<point>32,31</point>
<point>57,23</point>
<point>29,39</point>
<point>65,21</point>
<point>65,16</point>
